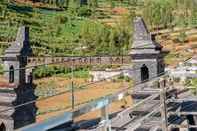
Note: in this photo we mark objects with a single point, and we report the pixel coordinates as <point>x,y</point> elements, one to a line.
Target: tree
<point>66,4</point>
<point>111,3</point>
<point>182,37</point>
<point>3,7</point>
<point>133,2</point>
<point>158,12</point>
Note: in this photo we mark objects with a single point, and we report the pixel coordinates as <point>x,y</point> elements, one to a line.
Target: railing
<point>89,107</point>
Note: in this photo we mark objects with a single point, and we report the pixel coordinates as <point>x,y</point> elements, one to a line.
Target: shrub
<point>125,78</point>
<point>1,69</point>
<point>182,37</point>
<point>62,19</point>
<point>47,71</point>
<point>84,11</point>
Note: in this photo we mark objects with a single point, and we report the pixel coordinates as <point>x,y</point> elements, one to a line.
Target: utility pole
<point>72,83</point>
<point>164,118</point>
<point>73,97</point>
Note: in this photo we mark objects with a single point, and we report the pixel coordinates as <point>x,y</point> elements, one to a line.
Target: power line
<point>33,101</point>
<point>92,83</point>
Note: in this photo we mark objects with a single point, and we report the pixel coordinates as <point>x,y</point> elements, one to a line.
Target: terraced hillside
<point>55,31</point>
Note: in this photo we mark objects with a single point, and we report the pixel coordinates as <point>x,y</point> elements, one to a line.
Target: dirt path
<point>61,101</point>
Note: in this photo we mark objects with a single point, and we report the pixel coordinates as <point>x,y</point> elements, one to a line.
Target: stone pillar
<point>147,55</point>
<point>20,88</point>
<point>164,118</point>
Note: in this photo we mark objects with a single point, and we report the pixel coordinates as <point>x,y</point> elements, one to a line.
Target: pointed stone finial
<point>141,36</point>
<point>22,35</point>
<point>140,30</point>
<point>21,45</point>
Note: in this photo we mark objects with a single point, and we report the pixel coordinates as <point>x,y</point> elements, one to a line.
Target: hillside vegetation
<point>92,27</point>
<point>61,32</point>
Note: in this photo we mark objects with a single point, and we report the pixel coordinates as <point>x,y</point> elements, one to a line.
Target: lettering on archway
<point>76,61</point>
